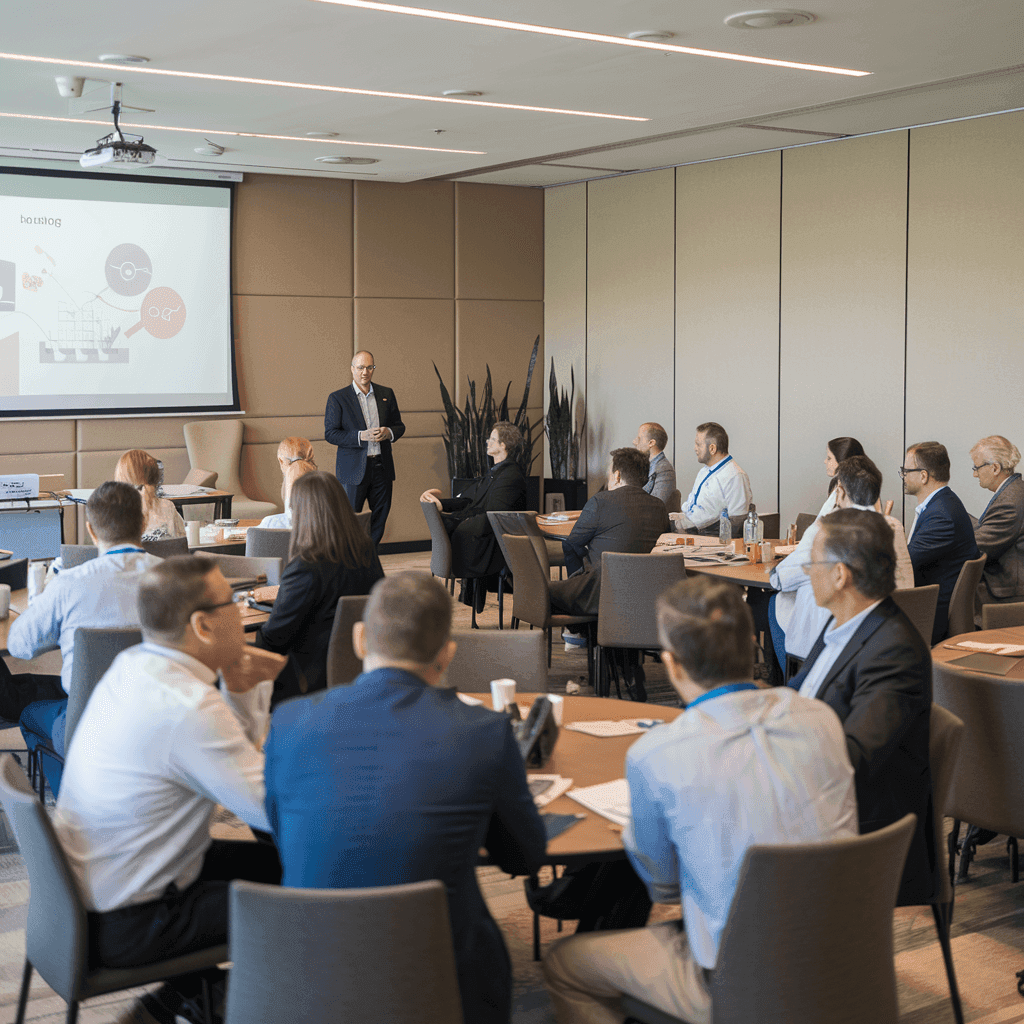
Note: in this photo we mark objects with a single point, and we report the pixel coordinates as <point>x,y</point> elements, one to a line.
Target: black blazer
<point>343,420</point>
<point>303,614</point>
<point>881,688</point>
<point>942,540</point>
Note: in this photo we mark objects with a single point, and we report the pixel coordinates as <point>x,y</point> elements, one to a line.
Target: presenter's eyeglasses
<point>370,367</point>
<point>904,470</point>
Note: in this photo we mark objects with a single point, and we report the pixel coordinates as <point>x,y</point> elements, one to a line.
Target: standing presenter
<point>363,421</point>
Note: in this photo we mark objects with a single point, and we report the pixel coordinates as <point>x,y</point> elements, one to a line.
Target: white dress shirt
<point>734,769</point>
<point>721,486</point>
<point>369,406</point>
<point>921,507</point>
<point>157,748</point>
<point>835,640</point>
<point>280,521</point>
<point>101,592</point>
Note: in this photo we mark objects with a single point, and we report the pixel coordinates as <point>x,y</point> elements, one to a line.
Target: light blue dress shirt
<point>835,640</point>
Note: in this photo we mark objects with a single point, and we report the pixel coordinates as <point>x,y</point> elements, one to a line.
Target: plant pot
<point>575,491</point>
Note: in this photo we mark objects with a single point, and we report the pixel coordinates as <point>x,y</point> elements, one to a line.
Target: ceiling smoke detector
<point>321,135</point>
<point>461,92</point>
<point>770,18</point>
<point>652,35</point>
<point>345,160</point>
<point>122,58</point>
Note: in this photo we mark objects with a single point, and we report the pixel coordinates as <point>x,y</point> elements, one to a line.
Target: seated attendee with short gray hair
<point>171,730</point>
<point>652,439</point>
<point>393,779</point>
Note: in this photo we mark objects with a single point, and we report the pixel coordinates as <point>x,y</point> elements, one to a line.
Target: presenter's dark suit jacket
<point>475,550</point>
<point>942,540</point>
<point>881,688</point>
<point>389,781</point>
<point>343,421</point>
<point>627,520</point>
<point>1000,535</point>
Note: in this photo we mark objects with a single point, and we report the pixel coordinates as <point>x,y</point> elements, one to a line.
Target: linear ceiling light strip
<point>593,37</point>
<point>125,70</point>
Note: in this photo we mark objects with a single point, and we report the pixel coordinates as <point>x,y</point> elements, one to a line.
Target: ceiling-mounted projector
<point>118,148</point>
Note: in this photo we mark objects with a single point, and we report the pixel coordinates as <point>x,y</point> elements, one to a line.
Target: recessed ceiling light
<point>594,37</point>
<point>652,35</point>
<point>204,77</point>
<point>321,135</point>
<point>770,19</point>
<point>122,58</point>
<point>345,160</point>
<point>461,92</point>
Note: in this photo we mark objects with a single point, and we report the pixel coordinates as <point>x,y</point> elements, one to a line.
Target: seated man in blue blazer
<point>393,779</point>
<point>941,538</point>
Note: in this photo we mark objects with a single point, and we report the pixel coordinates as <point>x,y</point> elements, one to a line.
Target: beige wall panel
<point>292,236</point>
<point>499,242</point>
<point>565,294</point>
<point>965,361</point>
<point>271,429</point>
<point>419,464</point>
<point>423,424</point>
<point>293,352</point>
<point>407,337</point>
<point>43,436</point>
<point>96,467</point>
<point>105,435</point>
<point>844,220</point>
<point>727,216</point>
<point>42,463</point>
<point>630,309</point>
<point>405,239</point>
<point>499,335</point>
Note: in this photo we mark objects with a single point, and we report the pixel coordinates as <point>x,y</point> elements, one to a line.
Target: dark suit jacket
<point>389,781</point>
<point>942,540</point>
<point>1000,535</point>
<point>343,421</point>
<point>881,688</point>
<point>303,614</point>
<point>475,550</point>
<point>626,520</point>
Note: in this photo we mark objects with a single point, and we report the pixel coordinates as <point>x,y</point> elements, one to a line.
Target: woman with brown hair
<point>141,470</point>
<point>330,557</point>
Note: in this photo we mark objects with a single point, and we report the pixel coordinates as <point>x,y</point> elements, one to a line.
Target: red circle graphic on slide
<point>162,313</point>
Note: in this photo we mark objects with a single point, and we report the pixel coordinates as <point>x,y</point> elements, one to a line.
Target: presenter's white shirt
<point>721,486</point>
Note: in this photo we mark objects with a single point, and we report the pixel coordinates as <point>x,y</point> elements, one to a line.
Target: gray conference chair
<point>483,655</point>
<point>961,602</point>
<point>502,523</point>
<point>440,545</point>
<point>788,910</point>
<point>264,543</point>
<point>166,547</point>
<point>14,573</point>
<point>376,954</point>
<point>675,501</point>
<point>243,568</point>
<point>56,935</point>
<point>342,664</point>
<point>72,555</point>
<point>919,604</point>
<point>363,519</point>
<point>626,617</point>
<point>1002,616</point>
<point>803,520</point>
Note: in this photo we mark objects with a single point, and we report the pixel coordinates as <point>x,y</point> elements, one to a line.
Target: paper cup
<point>5,600</point>
<point>503,693</point>
<point>192,529</point>
<point>557,706</point>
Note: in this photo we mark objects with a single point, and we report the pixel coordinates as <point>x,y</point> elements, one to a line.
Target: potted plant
<point>564,441</point>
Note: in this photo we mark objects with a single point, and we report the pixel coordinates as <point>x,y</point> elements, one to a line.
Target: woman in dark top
<point>330,557</point>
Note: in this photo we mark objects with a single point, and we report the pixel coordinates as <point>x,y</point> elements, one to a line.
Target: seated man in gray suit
<point>652,439</point>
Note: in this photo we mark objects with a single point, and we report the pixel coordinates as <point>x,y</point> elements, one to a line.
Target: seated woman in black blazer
<point>475,551</point>
<point>330,557</point>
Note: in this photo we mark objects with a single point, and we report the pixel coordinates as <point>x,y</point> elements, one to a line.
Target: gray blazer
<point>999,533</point>
<point>662,481</point>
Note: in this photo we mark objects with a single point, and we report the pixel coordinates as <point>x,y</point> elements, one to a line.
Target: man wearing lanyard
<point>741,765</point>
<point>101,592</point>
<point>720,485</point>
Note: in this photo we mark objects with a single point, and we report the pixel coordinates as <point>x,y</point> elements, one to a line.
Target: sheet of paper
<point>179,490</point>
<point>603,729</point>
<point>555,786</point>
<point>609,799</point>
<point>1008,650</point>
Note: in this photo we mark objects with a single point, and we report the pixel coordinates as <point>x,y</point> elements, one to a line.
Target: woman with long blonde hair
<point>141,470</point>
<point>295,457</point>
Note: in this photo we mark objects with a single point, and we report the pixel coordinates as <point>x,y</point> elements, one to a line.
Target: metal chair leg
<point>951,843</point>
<point>26,981</point>
<point>1011,849</point>
<point>72,1016</point>
<point>943,915</point>
<point>501,599</point>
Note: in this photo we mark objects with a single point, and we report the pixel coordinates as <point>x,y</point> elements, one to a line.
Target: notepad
<point>609,799</point>
<point>604,729</point>
<point>1006,650</point>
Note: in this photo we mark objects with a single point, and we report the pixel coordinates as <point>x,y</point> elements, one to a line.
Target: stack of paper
<point>609,799</point>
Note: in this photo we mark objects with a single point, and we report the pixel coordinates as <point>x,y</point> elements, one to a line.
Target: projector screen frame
<point>143,411</point>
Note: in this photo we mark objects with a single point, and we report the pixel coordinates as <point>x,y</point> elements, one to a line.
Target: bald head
<point>362,370</point>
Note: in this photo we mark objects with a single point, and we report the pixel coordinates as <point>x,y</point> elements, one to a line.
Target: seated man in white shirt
<point>741,765</point>
<point>159,745</point>
<point>720,485</point>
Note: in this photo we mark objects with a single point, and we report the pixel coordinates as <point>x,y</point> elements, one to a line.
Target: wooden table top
<point>589,760</point>
<point>948,651</point>
<point>558,529</point>
<point>221,539</point>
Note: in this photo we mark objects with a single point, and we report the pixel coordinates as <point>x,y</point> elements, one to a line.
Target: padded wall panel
<point>499,335</point>
<point>844,224</point>
<point>727,215</point>
<point>423,424</point>
<point>96,467</point>
<point>42,463</point>
<point>404,239</point>
<point>44,436</point>
<point>965,361</point>
<point>499,242</point>
<point>145,433</point>
<point>292,236</point>
<point>271,429</point>
<point>565,293</point>
<point>630,304</point>
<point>407,338</point>
<point>293,352</point>
<point>419,465</point>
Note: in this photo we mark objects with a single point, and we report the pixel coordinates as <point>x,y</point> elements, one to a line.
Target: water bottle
<point>753,528</point>
<point>724,529</point>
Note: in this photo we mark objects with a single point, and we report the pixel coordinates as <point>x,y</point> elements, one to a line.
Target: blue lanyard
<point>728,458</point>
<point>719,691</point>
<point>124,551</point>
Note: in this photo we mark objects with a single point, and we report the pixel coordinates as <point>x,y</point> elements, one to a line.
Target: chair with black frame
<point>919,604</point>
<point>72,555</point>
<point>1002,616</point>
<point>674,502</point>
<point>961,601</point>
<point>56,933</point>
<point>166,547</point>
<point>803,520</point>
<point>441,563</point>
<point>627,621</point>
<point>788,910</point>
<point>240,570</point>
<point>15,573</point>
<point>483,655</point>
<point>342,664</point>
<point>265,543</point>
<point>502,523</point>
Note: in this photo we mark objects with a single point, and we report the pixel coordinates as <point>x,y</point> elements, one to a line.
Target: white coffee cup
<point>36,579</point>
<point>503,693</point>
<point>557,706</point>
<point>192,529</point>
<point>5,600</point>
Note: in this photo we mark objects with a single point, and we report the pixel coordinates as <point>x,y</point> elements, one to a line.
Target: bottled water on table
<point>753,528</point>
<point>724,528</point>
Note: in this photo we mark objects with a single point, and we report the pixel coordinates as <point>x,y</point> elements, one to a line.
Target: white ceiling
<point>930,60</point>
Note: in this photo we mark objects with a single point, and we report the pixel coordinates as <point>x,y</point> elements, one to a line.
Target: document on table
<point>180,490</point>
<point>622,727</point>
<point>1007,650</point>
<point>609,799</point>
<point>545,788</point>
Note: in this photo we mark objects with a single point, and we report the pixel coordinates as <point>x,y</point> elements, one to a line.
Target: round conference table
<point>948,650</point>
